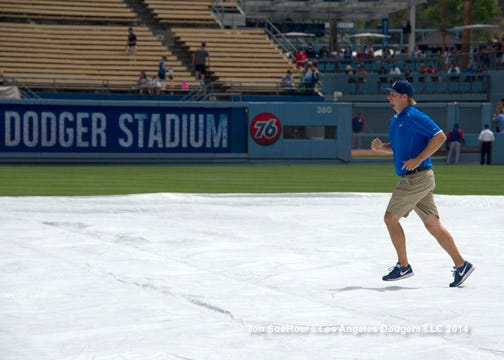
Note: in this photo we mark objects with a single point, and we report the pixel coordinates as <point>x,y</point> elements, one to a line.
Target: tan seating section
<point>83,54</point>
<point>70,56</point>
<point>183,12</point>
<point>243,57</point>
<point>79,10</point>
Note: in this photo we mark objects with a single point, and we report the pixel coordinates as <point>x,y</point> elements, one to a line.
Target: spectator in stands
<point>422,70</point>
<point>142,82</point>
<point>310,51</point>
<point>131,44</point>
<point>361,74</point>
<point>301,59</point>
<point>500,106</point>
<point>395,73</point>
<point>483,58</point>
<point>323,52</point>
<point>394,70</point>
<point>162,68</point>
<point>386,54</point>
<point>469,72</point>
<point>431,70</point>
<point>349,71</point>
<point>309,78</point>
<point>446,59</point>
<point>408,74</point>
<point>2,79</point>
<point>154,85</point>
<point>480,56</point>
<point>486,139</point>
<point>201,61</point>
<point>454,139</point>
<point>317,77</point>
<point>369,51</point>
<point>453,70</point>
<point>383,71</point>
<point>499,121</point>
<point>358,125</point>
<point>287,82</point>
<point>404,54</point>
<point>455,55</point>
<point>417,54</point>
<point>347,53</point>
<point>361,54</point>
<point>497,48</point>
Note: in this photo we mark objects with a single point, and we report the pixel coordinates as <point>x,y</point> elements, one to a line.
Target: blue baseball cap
<point>402,87</point>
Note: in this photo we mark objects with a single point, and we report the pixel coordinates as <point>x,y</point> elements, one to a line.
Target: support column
<point>412,20</point>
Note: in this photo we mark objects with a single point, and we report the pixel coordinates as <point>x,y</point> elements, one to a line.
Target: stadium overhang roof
<point>354,10</point>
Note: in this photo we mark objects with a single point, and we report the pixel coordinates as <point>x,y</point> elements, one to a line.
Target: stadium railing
<point>471,87</point>
<point>203,91</point>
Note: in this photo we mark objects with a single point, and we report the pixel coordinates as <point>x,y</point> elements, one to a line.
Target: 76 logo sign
<point>265,129</point>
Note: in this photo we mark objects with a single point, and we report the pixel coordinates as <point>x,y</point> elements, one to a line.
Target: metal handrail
<point>98,85</point>
<point>402,60</point>
<point>13,81</point>
<point>276,35</point>
<point>109,85</point>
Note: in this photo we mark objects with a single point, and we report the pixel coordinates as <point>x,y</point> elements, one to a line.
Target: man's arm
<point>379,146</point>
<point>434,144</point>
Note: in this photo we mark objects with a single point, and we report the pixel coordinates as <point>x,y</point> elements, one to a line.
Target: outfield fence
<point>42,130</point>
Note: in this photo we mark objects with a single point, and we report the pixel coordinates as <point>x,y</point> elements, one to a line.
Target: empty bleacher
<point>176,12</point>
<point>82,10</point>
<point>43,56</point>
<point>67,45</point>
<point>245,57</point>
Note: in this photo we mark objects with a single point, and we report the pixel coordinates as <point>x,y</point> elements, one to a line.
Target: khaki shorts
<point>414,192</point>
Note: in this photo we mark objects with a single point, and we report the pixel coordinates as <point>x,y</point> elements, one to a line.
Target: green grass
<point>109,180</point>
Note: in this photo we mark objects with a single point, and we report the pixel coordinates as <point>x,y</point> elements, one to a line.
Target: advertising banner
<point>84,129</point>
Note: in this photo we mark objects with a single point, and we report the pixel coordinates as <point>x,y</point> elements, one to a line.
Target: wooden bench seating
<point>108,10</point>
<point>73,55</point>
<point>91,55</point>
<point>235,55</point>
<point>183,12</point>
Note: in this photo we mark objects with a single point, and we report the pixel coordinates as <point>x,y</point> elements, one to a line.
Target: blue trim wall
<point>92,130</point>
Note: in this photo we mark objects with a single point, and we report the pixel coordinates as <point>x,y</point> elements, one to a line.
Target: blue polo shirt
<point>410,132</point>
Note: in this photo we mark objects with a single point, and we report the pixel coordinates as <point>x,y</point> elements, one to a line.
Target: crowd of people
<point>305,78</point>
<point>307,72</point>
<point>480,56</point>
<point>156,83</point>
<point>165,76</point>
<point>363,60</point>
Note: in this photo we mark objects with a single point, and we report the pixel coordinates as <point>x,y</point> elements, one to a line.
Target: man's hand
<point>376,145</point>
<point>411,164</point>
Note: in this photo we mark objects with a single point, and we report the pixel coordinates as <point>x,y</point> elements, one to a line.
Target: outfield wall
<point>75,131</point>
<point>42,130</point>
<point>470,116</point>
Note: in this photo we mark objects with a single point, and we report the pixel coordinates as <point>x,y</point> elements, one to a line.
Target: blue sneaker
<point>460,274</point>
<point>399,272</point>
